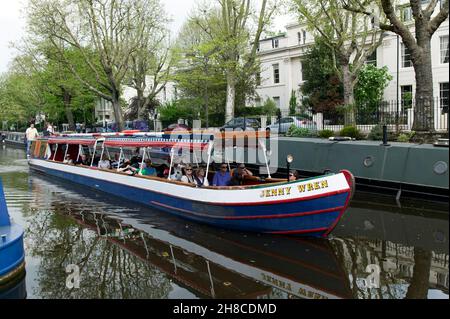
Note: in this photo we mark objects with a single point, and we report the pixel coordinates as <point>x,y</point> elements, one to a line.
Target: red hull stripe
<point>316,212</point>
<point>283,201</point>
<point>323,211</point>
<point>302,231</point>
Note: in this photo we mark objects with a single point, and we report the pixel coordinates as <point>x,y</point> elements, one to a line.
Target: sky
<point>12,23</point>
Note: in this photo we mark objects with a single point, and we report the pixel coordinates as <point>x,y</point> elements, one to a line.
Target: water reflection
<point>127,251</point>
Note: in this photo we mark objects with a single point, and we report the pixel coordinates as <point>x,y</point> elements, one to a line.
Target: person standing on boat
<point>239,175</point>
<point>222,177</point>
<point>31,134</point>
<point>189,176</point>
<point>200,178</point>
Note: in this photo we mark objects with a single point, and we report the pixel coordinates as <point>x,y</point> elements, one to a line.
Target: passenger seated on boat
<point>83,160</point>
<point>239,175</point>
<point>126,168</point>
<point>222,177</point>
<point>68,160</point>
<point>104,163</point>
<point>177,173</point>
<point>200,178</point>
<point>148,170</point>
<point>293,176</point>
<point>189,176</point>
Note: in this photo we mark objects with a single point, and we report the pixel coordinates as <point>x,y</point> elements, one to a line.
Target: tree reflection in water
<point>406,272</point>
<point>107,271</point>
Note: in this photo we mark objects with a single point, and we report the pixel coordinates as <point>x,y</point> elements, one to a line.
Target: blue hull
<point>314,217</point>
<point>12,253</point>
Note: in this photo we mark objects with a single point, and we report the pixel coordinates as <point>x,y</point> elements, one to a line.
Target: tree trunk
<point>67,100</point>
<point>140,103</point>
<point>349,100</point>
<point>231,96</point>
<point>424,106</point>
<point>418,289</point>
<point>117,110</point>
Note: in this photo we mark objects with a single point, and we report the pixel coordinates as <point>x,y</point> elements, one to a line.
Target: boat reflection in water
<point>133,252</point>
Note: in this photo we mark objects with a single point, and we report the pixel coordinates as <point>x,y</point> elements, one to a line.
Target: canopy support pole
<point>79,152</point>
<point>103,152</point>
<point>120,158</point>
<point>265,158</point>
<point>93,155</point>
<point>65,153</point>
<point>172,154</point>
<point>56,151</point>
<point>143,160</point>
<point>210,147</point>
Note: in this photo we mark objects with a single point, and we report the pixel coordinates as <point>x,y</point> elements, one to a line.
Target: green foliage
<point>172,111</point>
<point>350,131</point>
<point>293,104</point>
<point>325,134</point>
<point>376,133</point>
<point>322,89</point>
<point>369,90</point>
<point>406,137</point>
<point>295,131</point>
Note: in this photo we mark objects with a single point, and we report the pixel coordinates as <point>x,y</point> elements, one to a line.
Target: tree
<point>231,30</point>
<point>372,82</point>
<point>105,32</point>
<point>350,37</point>
<point>427,19</point>
<point>152,60</point>
<point>322,89</point>
<point>293,103</point>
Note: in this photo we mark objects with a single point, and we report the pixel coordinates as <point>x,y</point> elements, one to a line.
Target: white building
<point>281,64</point>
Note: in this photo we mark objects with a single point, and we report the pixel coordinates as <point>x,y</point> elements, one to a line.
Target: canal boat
<point>311,207</point>
<point>12,254</point>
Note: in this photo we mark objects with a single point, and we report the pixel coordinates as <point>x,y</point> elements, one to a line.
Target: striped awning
<point>72,141</point>
<point>155,142</point>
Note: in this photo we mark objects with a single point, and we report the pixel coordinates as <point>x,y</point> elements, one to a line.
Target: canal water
<point>381,248</point>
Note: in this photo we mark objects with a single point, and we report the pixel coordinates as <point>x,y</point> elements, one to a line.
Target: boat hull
<point>314,215</point>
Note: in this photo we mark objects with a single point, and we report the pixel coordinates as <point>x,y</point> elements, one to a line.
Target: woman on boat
<point>189,176</point>
<point>104,163</point>
<point>293,176</point>
<point>200,178</point>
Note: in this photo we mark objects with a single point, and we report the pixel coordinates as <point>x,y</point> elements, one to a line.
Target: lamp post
<point>289,160</point>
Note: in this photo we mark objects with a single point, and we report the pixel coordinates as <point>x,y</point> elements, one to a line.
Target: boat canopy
<point>160,142</point>
<point>72,141</point>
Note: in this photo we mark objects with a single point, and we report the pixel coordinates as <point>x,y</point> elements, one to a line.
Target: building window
<point>304,36</point>
<point>258,78</point>
<point>275,43</point>
<point>406,96</point>
<point>276,73</point>
<point>276,99</point>
<point>165,94</point>
<point>406,57</point>
<point>406,14</point>
<point>444,96</point>
<point>175,93</point>
<point>444,49</point>
<point>299,35</point>
<point>372,59</point>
